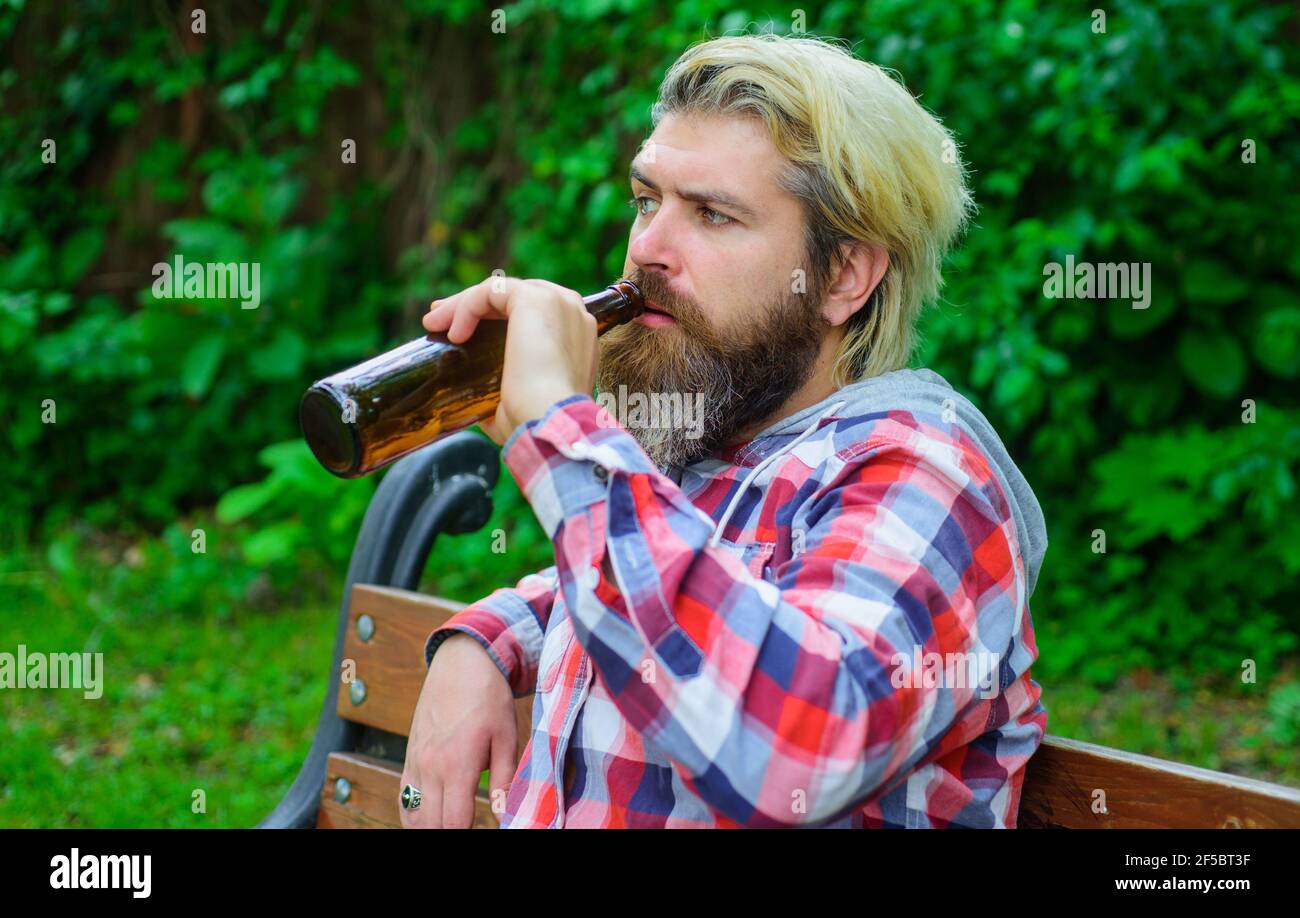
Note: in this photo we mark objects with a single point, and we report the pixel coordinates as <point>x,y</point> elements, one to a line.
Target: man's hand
<point>464,722</point>
<point>551,348</point>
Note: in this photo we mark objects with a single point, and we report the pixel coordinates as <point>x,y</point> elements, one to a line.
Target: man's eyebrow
<point>700,197</point>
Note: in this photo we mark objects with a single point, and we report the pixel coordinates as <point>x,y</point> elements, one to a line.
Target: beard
<point>732,379</point>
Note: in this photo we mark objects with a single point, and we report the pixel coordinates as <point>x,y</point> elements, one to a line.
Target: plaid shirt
<point>850,649</point>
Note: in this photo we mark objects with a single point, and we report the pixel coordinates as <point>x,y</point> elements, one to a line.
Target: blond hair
<point>868,163</point>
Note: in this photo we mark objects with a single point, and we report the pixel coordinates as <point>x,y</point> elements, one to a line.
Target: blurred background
<point>1169,136</point>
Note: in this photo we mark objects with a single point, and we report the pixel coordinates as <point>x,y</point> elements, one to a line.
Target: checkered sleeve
<point>510,624</point>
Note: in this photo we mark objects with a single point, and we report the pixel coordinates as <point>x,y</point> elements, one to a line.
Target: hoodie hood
<point>922,392</point>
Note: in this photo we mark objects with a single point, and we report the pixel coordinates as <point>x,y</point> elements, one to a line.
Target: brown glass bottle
<point>365,417</point>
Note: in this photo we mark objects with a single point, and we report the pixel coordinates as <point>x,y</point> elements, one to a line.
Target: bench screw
<point>342,790</point>
<point>358,691</point>
<point>365,627</point>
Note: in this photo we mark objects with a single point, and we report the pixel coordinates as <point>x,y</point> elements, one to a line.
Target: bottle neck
<point>618,303</point>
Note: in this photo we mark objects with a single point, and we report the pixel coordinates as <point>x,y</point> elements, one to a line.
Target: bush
<point>1128,145</point>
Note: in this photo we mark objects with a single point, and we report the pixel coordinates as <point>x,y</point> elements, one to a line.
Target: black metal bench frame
<point>444,488</point>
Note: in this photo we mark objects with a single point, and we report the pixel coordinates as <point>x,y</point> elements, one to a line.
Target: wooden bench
<point>386,643</point>
<point>352,775</point>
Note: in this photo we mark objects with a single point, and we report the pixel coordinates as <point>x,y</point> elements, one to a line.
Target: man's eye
<point>711,216</point>
<point>709,213</point>
<point>637,203</point>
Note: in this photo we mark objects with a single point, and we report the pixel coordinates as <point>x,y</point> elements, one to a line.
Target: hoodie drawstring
<point>753,473</point>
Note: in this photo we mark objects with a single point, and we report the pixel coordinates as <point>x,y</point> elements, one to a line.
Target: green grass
<point>204,694</point>
<point>214,668</point>
<point>1246,730</point>
<point>188,705</point>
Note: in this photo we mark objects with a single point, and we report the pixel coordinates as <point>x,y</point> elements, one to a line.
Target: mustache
<point>656,290</point>
<point>690,317</point>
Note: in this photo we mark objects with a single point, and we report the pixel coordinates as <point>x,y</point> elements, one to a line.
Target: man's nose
<point>653,248</point>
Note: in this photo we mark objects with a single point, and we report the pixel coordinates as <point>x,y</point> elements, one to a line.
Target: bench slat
<point>1142,792</point>
<point>372,798</point>
<point>391,663</point>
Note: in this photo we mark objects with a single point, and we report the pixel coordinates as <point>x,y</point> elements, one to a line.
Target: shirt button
<point>591,579</point>
<point>600,472</point>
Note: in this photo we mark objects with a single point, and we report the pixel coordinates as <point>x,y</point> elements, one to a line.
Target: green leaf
<point>79,253</point>
<point>1127,322</point>
<point>1212,362</point>
<point>200,365</point>
<point>56,303</point>
<point>274,543</point>
<point>281,358</point>
<point>245,500</point>
<point>197,239</point>
<point>27,268</point>
<point>286,454</point>
<point>1277,346</point>
<point>277,199</point>
<point>225,195</point>
<point>62,555</point>
<point>1206,281</point>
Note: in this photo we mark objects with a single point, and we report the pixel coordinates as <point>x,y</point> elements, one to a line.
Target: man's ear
<point>860,268</point>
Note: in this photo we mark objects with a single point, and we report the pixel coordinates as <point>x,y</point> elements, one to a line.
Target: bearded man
<point>809,606</point>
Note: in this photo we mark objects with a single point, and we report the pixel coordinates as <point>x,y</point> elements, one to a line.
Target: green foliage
<point>1205,544</point>
<point>477,150</point>
<point>1128,147</point>
<point>1284,715</point>
<point>305,507</point>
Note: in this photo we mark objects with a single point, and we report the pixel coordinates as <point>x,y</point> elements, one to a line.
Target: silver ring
<point>410,797</point>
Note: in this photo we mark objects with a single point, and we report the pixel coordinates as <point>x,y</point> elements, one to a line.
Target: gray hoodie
<point>923,392</point>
